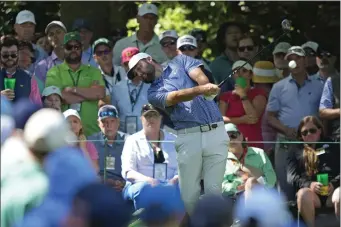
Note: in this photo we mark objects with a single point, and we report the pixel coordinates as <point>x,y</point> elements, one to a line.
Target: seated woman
<point>87,147</point>
<point>305,163</point>
<point>245,166</point>
<point>244,106</point>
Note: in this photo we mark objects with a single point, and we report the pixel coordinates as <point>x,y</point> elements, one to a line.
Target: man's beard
<point>73,60</point>
<point>9,66</point>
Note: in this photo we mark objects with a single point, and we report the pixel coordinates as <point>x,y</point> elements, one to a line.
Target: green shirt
<point>255,157</point>
<point>221,67</point>
<point>153,48</point>
<point>62,76</point>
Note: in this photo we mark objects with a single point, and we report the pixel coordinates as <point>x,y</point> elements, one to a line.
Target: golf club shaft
<point>251,59</point>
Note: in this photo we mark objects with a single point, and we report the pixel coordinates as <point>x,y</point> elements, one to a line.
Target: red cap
<point>128,53</point>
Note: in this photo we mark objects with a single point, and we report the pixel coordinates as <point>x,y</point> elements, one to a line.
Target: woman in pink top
<point>87,147</point>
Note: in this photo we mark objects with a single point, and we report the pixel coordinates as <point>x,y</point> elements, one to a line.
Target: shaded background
<point>316,21</point>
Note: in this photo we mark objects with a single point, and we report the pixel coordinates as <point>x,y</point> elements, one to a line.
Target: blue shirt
<point>39,55</point>
<point>121,100</point>
<point>175,76</point>
<point>326,101</point>
<point>87,58</point>
<point>293,103</point>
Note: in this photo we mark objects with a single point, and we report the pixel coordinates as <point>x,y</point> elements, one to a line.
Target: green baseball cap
<point>101,41</point>
<point>71,36</point>
<point>231,128</point>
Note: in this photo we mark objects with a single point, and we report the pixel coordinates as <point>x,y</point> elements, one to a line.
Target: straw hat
<point>264,72</point>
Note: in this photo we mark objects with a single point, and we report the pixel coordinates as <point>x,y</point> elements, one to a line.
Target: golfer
<point>182,92</point>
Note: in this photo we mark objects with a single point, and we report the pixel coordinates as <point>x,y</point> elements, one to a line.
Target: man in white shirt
<point>148,156</point>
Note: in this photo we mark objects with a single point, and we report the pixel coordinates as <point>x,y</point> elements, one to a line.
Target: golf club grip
<point>251,59</point>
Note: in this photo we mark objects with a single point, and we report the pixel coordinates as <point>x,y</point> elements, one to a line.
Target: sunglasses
<point>71,47</point>
<point>187,47</point>
<point>167,44</point>
<point>309,131</point>
<point>325,55</point>
<point>243,48</point>
<point>233,135</point>
<point>6,56</point>
<point>104,52</point>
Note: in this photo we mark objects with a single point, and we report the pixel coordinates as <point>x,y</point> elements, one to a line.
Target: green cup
<point>10,83</point>
<point>241,82</point>
<point>323,179</point>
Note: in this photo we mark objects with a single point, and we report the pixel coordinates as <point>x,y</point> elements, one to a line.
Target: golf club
<point>286,26</point>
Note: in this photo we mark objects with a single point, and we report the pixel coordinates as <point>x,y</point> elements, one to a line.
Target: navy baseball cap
<point>107,111</point>
<point>81,23</point>
<point>23,109</point>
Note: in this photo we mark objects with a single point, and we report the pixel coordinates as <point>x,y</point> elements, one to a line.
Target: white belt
<point>201,128</point>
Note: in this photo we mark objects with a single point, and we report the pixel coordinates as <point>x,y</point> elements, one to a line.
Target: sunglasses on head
<point>243,48</point>
<point>6,56</point>
<point>103,52</point>
<point>71,47</point>
<point>308,131</point>
<point>233,135</point>
<point>108,113</point>
<point>169,43</point>
<point>187,47</point>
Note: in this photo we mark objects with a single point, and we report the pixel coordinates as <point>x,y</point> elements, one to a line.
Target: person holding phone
<point>245,105</point>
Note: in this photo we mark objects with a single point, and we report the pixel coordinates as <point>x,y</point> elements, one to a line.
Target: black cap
<point>149,108</point>
<point>199,34</point>
<point>81,23</point>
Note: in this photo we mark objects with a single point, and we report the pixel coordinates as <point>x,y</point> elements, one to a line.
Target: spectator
<point>85,30</point>
<point>148,157</point>
<point>201,38</point>
<point>15,83</point>
<point>227,38</point>
<point>291,99</point>
<point>145,39</point>
<point>24,183</point>
<point>187,45</point>
<point>244,106</point>
<point>55,32</point>
<point>264,76</point>
<point>117,34</point>
<point>82,86</point>
<point>168,43</point>
<point>330,107</point>
<point>40,39</point>
<point>310,48</point>
<point>129,96</point>
<point>88,148</point>
<point>24,28</point>
<point>104,207</point>
<point>127,54</point>
<point>246,166</point>
<point>109,144</point>
<point>26,56</point>
<point>52,98</point>
<point>306,161</point>
<point>111,74</point>
<point>325,61</point>
<point>281,64</point>
<point>247,48</point>
<point>68,171</point>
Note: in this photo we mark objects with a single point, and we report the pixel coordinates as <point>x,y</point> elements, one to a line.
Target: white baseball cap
<point>47,130</point>
<point>168,33</point>
<point>25,16</point>
<point>186,40</point>
<point>295,50</point>
<point>51,90</point>
<point>147,8</point>
<point>135,59</point>
<point>55,23</point>
<point>240,63</point>
<point>71,112</point>
<point>312,45</point>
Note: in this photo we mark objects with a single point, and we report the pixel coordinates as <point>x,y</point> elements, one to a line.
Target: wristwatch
<point>244,98</point>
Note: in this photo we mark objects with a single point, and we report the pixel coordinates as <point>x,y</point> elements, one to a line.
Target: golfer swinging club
<point>185,94</point>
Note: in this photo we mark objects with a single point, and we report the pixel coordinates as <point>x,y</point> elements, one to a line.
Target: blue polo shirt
<point>292,102</point>
<point>175,76</point>
<point>114,150</point>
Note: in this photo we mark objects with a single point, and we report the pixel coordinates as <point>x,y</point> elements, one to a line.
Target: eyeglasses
<point>243,48</point>
<point>167,44</point>
<point>233,135</point>
<point>187,47</point>
<point>6,56</point>
<point>308,131</point>
<point>71,47</point>
<point>103,52</point>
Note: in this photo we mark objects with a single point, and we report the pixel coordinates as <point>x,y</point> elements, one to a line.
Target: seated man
<point>245,166</point>
<point>109,145</point>
<point>148,156</point>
